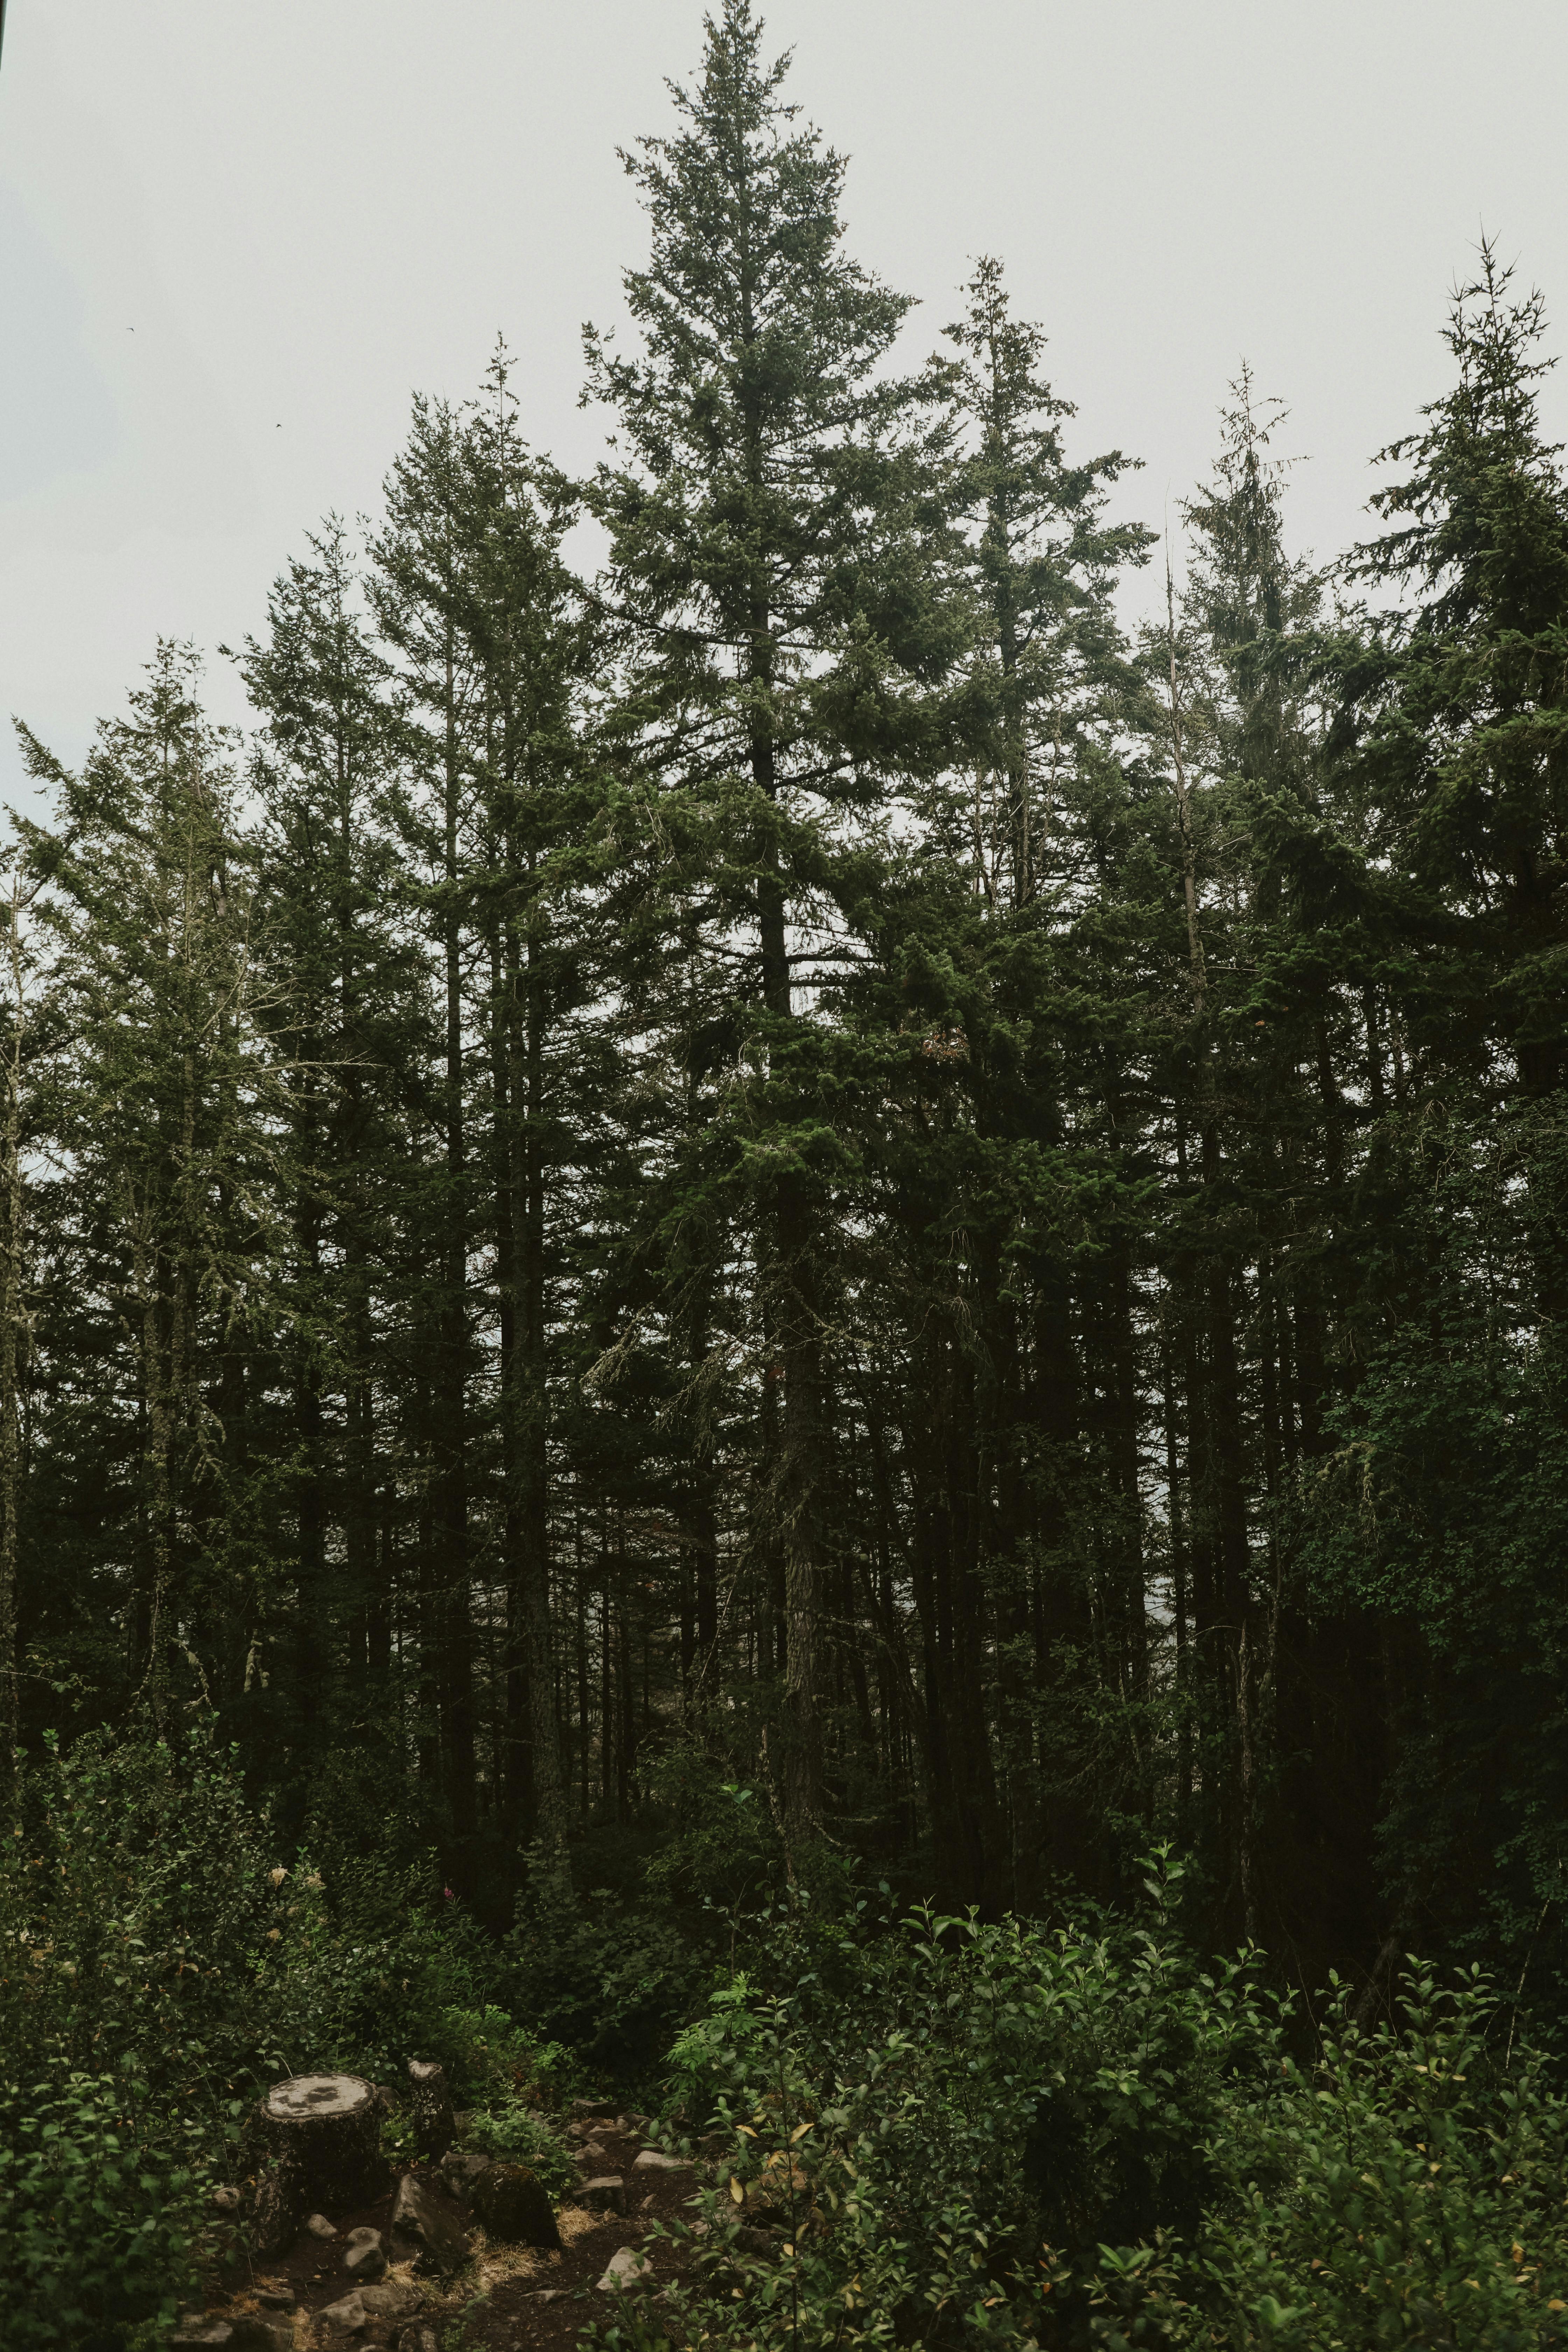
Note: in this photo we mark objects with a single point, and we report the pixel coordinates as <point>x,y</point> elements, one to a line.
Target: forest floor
<point>508,2296</point>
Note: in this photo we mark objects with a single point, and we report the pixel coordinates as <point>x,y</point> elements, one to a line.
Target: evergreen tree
<point>168,1127</point>
<point>767,547</point>
<point>344,1013</point>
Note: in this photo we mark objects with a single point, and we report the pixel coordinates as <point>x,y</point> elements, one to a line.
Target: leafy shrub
<point>495,2060</point>
<point>145,1915</point>
<point>610,1979</point>
<point>922,2113</point>
<point>377,1968</point>
<point>137,1911</point>
<point>968,2134</point>
<point>519,2134</point>
<point>721,1846</point>
<point>98,2211</point>
<point>1405,2188</point>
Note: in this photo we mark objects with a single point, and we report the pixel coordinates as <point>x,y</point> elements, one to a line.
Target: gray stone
<point>461,2169</point>
<point>395,2300</point>
<point>653,2159</point>
<point>203,2331</point>
<point>425,2230</point>
<point>515,2207</point>
<point>606,2195</point>
<point>225,2201</point>
<point>365,2255</point>
<point>419,2339</point>
<point>591,2153</point>
<point>276,2298</point>
<point>627,2272</point>
<point>318,2226</point>
<point>348,2314</point>
<point>261,2331</point>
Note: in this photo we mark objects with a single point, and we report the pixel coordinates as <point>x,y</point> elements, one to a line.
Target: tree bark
<point>323,2134</point>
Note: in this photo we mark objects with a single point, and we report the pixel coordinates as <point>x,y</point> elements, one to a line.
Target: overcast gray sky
<point>235,234</point>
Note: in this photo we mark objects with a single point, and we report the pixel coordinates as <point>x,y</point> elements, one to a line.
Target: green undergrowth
<point>927,2130</point>
<point>965,2135</point>
<point>161,1964</point>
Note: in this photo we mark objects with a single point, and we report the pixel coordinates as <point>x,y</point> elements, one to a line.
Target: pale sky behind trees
<point>234,238</point>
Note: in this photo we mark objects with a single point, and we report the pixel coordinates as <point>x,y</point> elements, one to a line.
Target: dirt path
<point>508,2295</point>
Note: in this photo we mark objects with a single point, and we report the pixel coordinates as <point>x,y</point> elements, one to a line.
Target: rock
<point>395,2300</point>
<point>548,2294</point>
<point>350,2314</point>
<point>627,2271</point>
<point>425,2230</point>
<point>435,2125</point>
<point>653,2159</point>
<point>419,2339</point>
<point>276,2298</point>
<point>365,2255</point>
<point>225,2201</point>
<point>514,2207</point>
<point>607,2194</point>
<point>203,2331</point>
<point>586,2106</point>
<point>320,2227</point>
<point>261,2331</point>
<point>591,2153</point>
<point>323,2132</point>
<point>648,2204</point>
<point>461,2170</point>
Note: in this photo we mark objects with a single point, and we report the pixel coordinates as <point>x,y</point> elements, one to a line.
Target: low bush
<point>958,2133</point>
<point>160,1965</point>
<point>1405,2186</point>
<point>609,1978</point>
<point>100,2207</point>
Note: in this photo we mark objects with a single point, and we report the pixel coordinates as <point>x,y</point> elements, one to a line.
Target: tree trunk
<point>323,2134</point>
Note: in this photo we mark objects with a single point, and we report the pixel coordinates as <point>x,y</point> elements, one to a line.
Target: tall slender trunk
<point>1223,1433</point>
<point>530,1442</point>
<point>451,1500</point>
<point>797,1342</point>
<point>11,1325</point>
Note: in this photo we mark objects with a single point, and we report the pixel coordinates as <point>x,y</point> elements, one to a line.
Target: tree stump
<point>435,2127</point>
<point>323,2133</point>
